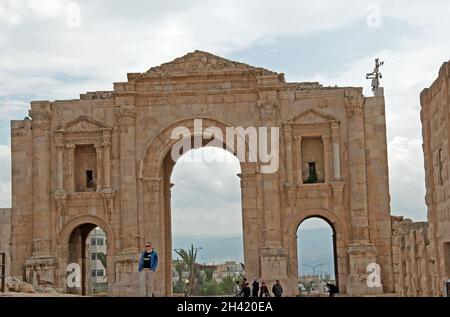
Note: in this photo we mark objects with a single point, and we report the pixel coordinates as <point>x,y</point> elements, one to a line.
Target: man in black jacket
<point>277,289</point>
<point>245,292</point>
<point>255,288</point>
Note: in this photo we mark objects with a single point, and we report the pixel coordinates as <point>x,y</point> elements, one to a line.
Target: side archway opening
<point>87,260</point>
<point>317,259</point>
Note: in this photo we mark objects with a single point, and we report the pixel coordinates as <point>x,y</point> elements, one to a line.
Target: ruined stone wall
<point>5,236</point>
<point>413,258</point>
<point>435,103</point>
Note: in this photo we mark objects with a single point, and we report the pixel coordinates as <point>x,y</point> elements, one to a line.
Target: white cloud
<point>43,57</point>
<point>407,178</point>
<point>206,196</point>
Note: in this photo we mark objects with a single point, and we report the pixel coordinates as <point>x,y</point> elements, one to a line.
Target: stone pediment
<point>311,116</point>
<point>200,62</point>
<point>83,124</point>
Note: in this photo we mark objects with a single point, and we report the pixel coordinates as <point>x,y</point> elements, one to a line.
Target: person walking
<point>332,289</point>
<point>246,291</point>
<point>255,287</point>
<point>277,289</point>
<point>264,290</point>
<point>237,289</point>
<point>147,266</point>
<point>244,280</point>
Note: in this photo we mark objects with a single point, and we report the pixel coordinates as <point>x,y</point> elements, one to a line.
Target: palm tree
<point>102,257</point>
<point>209,273</point>
<point>189,257</point>
<point>179,266</point>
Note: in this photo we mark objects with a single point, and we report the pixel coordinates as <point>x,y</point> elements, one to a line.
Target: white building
<point>96,246</point>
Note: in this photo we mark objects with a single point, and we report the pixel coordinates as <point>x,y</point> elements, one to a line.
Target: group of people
<point>148,263</point>
<point>242,289</point>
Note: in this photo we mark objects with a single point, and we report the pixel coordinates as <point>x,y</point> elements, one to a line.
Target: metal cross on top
<point>375,75</point>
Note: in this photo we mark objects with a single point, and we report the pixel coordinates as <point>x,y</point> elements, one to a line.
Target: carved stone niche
<point>71,140</point>
<point>314,143</point>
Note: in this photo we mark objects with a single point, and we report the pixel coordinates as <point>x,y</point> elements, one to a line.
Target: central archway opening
<point>206,223</point>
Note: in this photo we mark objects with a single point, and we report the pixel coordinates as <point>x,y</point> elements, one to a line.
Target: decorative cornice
<point>297,118</point>
<point>198,63</point>
<point>82,124</point>
<point>97,95</point>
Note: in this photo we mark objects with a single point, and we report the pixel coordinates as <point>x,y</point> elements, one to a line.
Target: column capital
<point>335,131</point>
<point>334,125</point>
<point>40,114</point>
<point>287,128</point>
<point>287,131</point>
<point>268,110</point>
<point>126,116</point>
<point>354,103</point>
<point>247,179</point>
<point>152,183</point>
<point>326,137</point>
<point>40,119</point>
<point>71,146</point>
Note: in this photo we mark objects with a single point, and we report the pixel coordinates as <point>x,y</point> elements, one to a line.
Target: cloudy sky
<point>57,49</point>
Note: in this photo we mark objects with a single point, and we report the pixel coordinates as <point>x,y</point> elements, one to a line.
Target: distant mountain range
<point>315,248</point>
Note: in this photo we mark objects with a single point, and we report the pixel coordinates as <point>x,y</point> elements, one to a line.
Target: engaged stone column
<point>269,115</point>
<point>327,157</point>
<point>361,252</point>
<point>107,164</point>
<point>272,253</point>
<point>155,227</point>
<point>126,116</point>
<point>357,165</point>
<point>41,115</point>
<point>98,148</point>
<point>70,151</point>
<point>288,144</point>
<point>298,144</point>
<point>335,137</point>
<point>60,167</point>
<point>250,222</point>
<point>106,157</point>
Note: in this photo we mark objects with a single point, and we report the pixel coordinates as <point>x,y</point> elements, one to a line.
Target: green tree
<point>179,267</point>
<point>212,288</point>
<point>209,273</point>
<point>189,257</point>
<point>227,285</point>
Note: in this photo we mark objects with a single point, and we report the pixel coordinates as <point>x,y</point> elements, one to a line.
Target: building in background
<point>96,271</point>
<point>229,268</point>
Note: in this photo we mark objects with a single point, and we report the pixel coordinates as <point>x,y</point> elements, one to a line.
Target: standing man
<point>277,289</point>
<point>255,289</point>
<point>147,266</point>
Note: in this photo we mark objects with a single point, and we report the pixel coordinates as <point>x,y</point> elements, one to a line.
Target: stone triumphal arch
<point>103,160</point>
